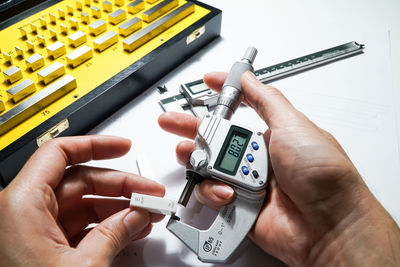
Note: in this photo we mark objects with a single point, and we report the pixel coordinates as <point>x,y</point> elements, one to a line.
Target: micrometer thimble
<point>231,94</point>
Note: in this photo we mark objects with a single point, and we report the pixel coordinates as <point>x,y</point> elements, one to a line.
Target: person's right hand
<point>318,210</point>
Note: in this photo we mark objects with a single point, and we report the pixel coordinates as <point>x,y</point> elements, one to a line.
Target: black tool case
<point>101,102</point>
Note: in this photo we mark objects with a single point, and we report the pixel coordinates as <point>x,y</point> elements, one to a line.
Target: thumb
<point>268,101</point>
<point>105,240</point>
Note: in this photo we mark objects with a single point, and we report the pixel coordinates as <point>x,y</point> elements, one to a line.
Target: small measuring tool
<point>200,99</point>
<point>233,154</point>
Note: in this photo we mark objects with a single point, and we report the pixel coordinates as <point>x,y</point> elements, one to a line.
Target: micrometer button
<point>255,174</point>
<point>250,157</point>
<point>245,170</point>
<point>254,145</point>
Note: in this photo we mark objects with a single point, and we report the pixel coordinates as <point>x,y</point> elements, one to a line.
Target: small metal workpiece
<point>78,5</point>
<point>21,90</point>
<point>77,38</point>
<point>85,18</point>
<point>63,29</point>
<point>7,58</point>
<point>130,26</point>
<point>20,52</point>
<point>56,50</point>
<point>36,102</point>
<point>107,6</point>
<point>157,27</point>
<point>105,41</point>
<point>43,23</point>
<point>12,74</point>
<point>159,9</point>
<point>96,12</point>
<point>162,89</point>
<point>74,23</point>
<point>50,73</point>
<point>135,6</point>
<point>79,56</point>
<point>53,19</point>
<point>117,16</point>
<point>98,27</point>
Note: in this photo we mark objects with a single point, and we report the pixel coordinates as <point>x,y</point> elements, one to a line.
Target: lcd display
<point>197,88</point>
<point>233,149</point>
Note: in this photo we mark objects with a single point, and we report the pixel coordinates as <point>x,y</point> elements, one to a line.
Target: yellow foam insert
<point>91,73</point>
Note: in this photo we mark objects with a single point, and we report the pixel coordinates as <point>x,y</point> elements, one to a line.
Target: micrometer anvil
<point>233,154</point>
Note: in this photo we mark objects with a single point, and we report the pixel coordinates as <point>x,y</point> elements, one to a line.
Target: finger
<point>145,232</point>
<point>76,213</point>
<point>85,180</point>
<point>48,163</point>
<point>74,241</point>
<point>179,123</point>
<point>105,240</point>
<point>77,238</point>
<point>269,103</point>
<point>93,210</point>
<point>215,80</point>
<point>214,194</point>
<point>183,151</point>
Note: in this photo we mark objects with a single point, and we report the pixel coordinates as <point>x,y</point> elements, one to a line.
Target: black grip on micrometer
<point>235,74</point>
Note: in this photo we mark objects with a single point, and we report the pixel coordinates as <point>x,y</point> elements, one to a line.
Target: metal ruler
<point>197,97</point>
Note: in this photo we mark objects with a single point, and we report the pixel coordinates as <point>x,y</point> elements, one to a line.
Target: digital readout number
<point>236,147</point>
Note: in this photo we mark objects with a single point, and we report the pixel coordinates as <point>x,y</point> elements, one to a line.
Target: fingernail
<point>223,191</point>
<point>250,76</point>
<point>135,221</point>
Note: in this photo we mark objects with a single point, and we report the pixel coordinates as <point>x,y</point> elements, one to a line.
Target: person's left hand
<point>44,218</point>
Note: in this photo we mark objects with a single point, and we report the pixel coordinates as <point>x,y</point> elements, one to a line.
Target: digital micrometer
<point>233,154</point>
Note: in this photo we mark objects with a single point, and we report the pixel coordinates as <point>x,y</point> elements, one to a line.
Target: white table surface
<point>356,99</point>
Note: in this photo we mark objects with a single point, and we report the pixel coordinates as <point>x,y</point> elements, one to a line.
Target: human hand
<point>43,215</point>
<point>318,210</point>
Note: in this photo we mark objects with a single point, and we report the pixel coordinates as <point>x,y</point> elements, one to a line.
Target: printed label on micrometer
<point>196,95</point>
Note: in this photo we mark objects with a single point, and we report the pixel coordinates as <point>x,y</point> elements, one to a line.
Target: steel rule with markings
<point>231,153</point>
<point>200,99</point>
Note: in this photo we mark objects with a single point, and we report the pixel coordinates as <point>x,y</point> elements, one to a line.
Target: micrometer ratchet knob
<point>231,94</point>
